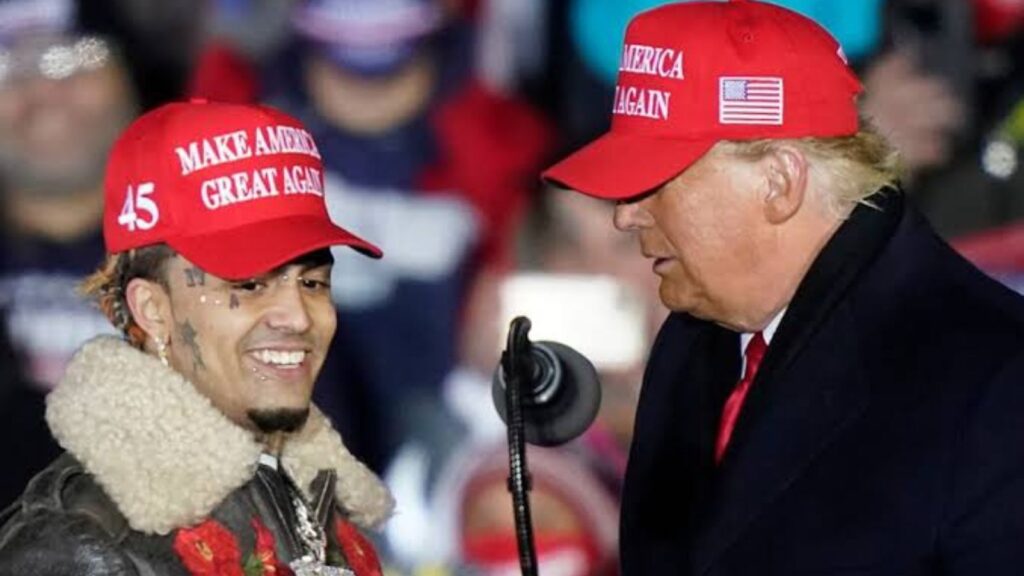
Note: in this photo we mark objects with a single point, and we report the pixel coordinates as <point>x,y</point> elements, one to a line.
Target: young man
<point>836,391</point>
<point>192,446</point>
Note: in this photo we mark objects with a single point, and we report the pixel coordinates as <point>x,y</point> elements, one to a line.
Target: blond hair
<point>854,167</point>
<point>107,285</point>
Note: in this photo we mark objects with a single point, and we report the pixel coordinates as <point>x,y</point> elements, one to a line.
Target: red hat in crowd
<point>236,189</point>
<point>692,74</point>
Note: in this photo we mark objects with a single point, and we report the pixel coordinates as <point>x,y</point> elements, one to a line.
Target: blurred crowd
<point>434,118</point>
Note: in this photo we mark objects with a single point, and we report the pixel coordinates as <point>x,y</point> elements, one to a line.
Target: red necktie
<point>754,353</point>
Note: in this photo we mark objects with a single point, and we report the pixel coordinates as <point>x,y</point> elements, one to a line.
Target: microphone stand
<point>516,371</point>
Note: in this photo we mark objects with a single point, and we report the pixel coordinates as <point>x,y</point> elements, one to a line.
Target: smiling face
<point>706,233</point>
<point>253,347</point>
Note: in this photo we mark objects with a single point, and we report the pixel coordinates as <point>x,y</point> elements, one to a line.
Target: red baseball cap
<point>237,189</point>
<point>694,73</point>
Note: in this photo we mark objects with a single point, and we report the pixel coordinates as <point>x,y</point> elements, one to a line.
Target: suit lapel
<point>786,422</point>
<point>670,468</point>
<point>810,385</point>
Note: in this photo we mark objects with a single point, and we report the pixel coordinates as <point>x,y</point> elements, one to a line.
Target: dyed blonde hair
<point>107,285</point>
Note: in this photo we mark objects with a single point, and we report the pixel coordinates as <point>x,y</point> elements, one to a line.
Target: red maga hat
<point>694,73</point>
<point>236,189</point>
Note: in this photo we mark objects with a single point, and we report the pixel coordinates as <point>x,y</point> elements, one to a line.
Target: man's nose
<point>631,216</point>
<point>289,310</point>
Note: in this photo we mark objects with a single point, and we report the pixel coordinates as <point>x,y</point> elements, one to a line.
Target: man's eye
<point>314,284</point>
<point>249,285</point>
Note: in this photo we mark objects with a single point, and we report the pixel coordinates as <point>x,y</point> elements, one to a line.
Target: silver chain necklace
<point>314,542</point>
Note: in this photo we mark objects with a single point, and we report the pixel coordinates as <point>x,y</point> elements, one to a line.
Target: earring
<point>161,352</point>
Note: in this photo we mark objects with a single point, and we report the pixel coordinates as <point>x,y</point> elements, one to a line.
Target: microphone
<point>560,391</point>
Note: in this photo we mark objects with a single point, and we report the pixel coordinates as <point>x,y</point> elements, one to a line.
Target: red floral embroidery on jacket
<point>208,549</point>
<point>263,561</point>
<point>362,558</point>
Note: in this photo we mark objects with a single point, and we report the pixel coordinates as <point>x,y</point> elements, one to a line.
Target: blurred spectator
<point>977,183</point>
<point>160,38</point>
<point>238,34</point>
<point>570,235</point>
<point>513,47</point>
<point>256,28</point>
<point>917,110</point>
<point>575,516</point>
<point>429,162</point>
<point>454,509</point>
<point>64,96</point>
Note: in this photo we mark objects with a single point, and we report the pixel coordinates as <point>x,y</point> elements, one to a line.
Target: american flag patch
<point>750,100</point>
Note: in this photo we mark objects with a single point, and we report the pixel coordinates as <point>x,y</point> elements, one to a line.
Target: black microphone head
<point>562,407</point>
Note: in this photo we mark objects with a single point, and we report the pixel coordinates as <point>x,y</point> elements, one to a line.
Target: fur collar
<point>167,457</point>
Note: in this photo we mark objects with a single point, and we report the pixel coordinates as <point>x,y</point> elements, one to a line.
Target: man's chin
<point>671,299</point>
<point>272,420</point>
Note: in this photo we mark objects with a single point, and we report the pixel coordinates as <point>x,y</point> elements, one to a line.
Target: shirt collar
<point>767,333</point>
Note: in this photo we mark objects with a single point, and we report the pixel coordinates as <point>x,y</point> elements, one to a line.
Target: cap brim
<point>258,248</point>
<point>620,166</point>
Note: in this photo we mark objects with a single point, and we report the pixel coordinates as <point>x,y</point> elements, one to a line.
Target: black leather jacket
<point>156,481</point>
<point>65,524</point>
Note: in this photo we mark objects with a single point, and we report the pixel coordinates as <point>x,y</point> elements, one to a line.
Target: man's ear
<point>150,306</point>
<point>786,167</point>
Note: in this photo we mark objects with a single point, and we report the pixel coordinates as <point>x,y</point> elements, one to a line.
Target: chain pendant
<point>309,566</point>
<point>311,533</point>
<point>314,542</point>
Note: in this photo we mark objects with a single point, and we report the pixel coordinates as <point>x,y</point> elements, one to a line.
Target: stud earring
<point>161,352</point>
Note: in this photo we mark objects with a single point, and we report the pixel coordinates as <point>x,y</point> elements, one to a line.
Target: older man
<point>191,443</point>
<point>836,392</point>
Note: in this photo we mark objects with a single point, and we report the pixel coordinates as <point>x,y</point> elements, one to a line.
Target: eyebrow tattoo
<point>188,335</point>
<point>195,277</point>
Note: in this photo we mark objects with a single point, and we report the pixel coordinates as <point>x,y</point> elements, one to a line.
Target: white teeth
<point>281,357</point>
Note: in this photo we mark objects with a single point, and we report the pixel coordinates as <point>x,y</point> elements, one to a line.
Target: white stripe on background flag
<point>750,100</point>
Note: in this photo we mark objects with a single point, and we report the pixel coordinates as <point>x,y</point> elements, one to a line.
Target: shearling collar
<point>167,457</point>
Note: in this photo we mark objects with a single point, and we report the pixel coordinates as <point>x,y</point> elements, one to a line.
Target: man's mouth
<point>286,359</point>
